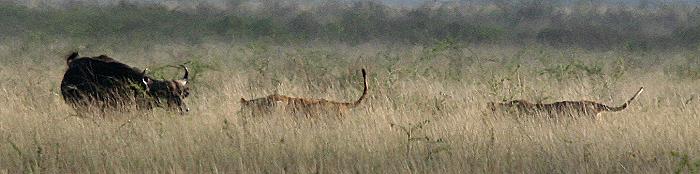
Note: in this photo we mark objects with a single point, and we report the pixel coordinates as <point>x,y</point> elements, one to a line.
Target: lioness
<point>305,106</point>
<point>562,108</point>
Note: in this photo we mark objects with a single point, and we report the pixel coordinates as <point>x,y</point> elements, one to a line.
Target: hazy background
<point>633,25</point>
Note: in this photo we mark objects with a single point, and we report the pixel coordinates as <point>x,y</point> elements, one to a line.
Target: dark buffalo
<point>103,82</point>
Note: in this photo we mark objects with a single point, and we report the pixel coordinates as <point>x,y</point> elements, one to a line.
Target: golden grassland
<point>425,112</point>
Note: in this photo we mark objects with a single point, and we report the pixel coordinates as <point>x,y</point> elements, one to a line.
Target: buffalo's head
<point>172,91</point>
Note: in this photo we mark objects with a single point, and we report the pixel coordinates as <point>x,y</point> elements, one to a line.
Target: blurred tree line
<point>585,24</point>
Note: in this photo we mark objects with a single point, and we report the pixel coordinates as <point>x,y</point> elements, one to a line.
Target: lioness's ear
<point>242,100</point>
<point>491,105</point>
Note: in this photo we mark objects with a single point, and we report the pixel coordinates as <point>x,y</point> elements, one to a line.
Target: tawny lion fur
<point>558,109</point>
<point>305,106</point>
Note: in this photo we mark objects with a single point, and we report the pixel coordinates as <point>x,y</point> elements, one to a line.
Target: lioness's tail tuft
<point>364,91</point>
<point>623,106</point>
<point>641,89</point>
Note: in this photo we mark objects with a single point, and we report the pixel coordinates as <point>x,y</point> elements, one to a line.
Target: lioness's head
<point>507,105</point>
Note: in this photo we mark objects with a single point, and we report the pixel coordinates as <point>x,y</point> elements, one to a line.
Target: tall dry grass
<point>438,92</point>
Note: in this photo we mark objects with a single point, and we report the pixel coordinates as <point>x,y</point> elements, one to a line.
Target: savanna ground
<point>426,109</point>
<point>440,92</point>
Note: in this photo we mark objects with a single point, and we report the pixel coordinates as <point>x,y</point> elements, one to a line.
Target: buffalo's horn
<point>71,57</point>
<point>143,78</point>
<point>187,73</point>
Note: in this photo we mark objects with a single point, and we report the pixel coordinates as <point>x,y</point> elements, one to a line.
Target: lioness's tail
<point>623,106</point>
<point>364,91</point>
